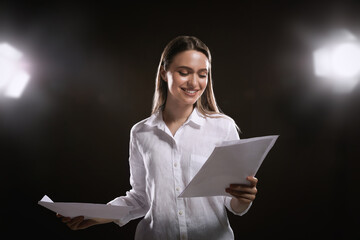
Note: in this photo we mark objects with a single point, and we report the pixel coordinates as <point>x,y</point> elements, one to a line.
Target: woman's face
<point>187,77</point>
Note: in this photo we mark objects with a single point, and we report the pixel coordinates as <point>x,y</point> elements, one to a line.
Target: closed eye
<point>183,73</point>
<point>202,75</point>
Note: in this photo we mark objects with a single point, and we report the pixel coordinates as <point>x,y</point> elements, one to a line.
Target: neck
<point>174,113</point>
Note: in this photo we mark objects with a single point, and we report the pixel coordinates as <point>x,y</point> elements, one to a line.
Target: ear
<point>163,73</point>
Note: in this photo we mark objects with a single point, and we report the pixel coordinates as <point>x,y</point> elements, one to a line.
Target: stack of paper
<point>88,210</point>
<point>229,163</point>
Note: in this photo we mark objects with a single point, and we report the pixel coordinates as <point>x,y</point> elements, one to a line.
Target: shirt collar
<point>156,119</point>
<point>196,117</point>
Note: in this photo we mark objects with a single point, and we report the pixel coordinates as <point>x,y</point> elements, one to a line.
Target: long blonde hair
<point>206,104</point>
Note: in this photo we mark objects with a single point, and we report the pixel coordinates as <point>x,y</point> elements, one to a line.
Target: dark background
<point>93,71</point>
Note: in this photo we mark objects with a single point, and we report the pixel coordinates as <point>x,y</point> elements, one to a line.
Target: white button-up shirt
<point>161,165</point>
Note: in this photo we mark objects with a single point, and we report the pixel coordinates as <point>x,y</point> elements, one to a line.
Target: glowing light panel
<point>339,64</point>
<point>17,84</point>
<point>9,52</point>
<point>345,60</point>
<point>13,78</point>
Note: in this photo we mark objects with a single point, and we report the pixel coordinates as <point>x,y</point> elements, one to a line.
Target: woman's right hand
<point>78,223</point>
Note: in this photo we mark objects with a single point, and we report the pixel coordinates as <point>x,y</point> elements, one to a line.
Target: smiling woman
<point>186,78</point>
<point>193,52</point>
<point>167,148</point>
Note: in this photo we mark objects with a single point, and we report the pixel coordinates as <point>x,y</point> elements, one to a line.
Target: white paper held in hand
<point>88,210</point>
<point>230,163</point>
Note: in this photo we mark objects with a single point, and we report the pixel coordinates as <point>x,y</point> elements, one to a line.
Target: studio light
<point>338,62</point>
<point>13,77</point>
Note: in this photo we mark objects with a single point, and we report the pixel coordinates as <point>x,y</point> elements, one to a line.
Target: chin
<point>192,102</point>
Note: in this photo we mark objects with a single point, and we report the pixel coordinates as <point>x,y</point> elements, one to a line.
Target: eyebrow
<point>189,68</point>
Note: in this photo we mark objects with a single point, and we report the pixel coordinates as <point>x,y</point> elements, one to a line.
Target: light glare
<point>13,78</point>
<point>346,60</point>
<point>17,85</point>
<point>322,62</point>
<point>9,52</point>
<point>338,63</point>
<point>6,70</point>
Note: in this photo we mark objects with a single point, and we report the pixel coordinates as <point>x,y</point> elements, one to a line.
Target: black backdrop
<point>93,70</point>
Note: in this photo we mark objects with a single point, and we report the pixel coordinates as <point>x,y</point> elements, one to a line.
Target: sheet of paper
<point>88,210</point>
<point>230,162</point>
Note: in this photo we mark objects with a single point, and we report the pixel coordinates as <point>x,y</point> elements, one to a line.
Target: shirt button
<point>180,212</point>
<point>177,189</point>
<point>175,164</point>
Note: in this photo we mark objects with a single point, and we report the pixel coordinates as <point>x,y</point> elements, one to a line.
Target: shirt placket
<point>178,186</point>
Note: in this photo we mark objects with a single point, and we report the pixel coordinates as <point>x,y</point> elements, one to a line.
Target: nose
<point>193,80</point>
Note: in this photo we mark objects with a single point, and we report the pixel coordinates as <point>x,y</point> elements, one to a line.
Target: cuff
<point>125,219</point>
<point>228,206</point>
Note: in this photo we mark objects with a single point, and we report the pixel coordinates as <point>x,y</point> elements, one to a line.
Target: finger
<point>86,223</point>
<point>250,197</point>
<point>237,185</point>
<point>77,219</point>
<point>74,223</point>
<point>253,180</point>
<point>65,219</point>
<point>244,195</point>
<point>243,188</point>
<point>244,200</point>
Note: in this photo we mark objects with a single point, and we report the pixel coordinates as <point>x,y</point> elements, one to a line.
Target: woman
<point>168,148</point>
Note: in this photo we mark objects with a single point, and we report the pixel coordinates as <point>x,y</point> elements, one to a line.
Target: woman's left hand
<point>244,194</point>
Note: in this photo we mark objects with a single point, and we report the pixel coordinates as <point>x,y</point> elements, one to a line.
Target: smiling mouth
<point>190,91</point>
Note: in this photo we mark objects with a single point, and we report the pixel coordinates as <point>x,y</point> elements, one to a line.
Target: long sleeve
<point>136,197</point>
